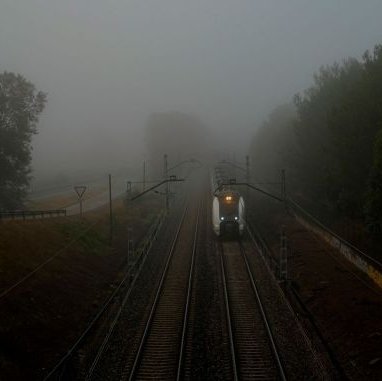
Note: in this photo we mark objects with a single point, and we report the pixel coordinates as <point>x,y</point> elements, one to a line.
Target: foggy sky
<point>106,65</point>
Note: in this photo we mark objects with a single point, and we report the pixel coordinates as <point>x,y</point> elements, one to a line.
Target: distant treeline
<point>330,141</point>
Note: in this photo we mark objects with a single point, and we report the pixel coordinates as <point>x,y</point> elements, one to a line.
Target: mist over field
<point>107,66</point>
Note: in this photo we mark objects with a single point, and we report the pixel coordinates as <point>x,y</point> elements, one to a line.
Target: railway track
<point>115,351</point>
<point>253,350</point>
<point>161,349</point>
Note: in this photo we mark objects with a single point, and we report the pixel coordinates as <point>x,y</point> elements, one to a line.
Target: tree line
<point>330,140</point>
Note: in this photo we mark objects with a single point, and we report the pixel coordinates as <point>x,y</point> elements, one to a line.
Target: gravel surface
<point>301,359</point>
<point>118,354</point>
<point>208,357</point>
<point>343,303</point>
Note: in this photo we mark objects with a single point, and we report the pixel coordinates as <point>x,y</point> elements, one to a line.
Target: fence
<point>27,214</point>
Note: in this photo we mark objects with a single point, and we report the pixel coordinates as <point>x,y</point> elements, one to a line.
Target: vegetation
<point>332,147</point>
<point>20,106</point>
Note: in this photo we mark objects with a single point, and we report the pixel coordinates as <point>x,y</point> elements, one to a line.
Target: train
<point>228,213</point>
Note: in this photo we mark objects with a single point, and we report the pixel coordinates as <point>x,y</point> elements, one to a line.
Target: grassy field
<point>45,313</point>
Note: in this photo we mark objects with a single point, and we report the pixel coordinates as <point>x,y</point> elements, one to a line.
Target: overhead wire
<point>44,263</point>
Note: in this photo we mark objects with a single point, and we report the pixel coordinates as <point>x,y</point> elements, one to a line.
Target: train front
<point>228,214</point>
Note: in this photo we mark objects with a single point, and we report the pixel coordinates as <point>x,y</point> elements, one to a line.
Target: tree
<point>333,149</point>
<point>272,147</point>
<point>373,196</point>
<point>20,106</point>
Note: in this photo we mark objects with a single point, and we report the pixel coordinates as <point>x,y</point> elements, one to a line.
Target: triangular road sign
<point>80,190</point>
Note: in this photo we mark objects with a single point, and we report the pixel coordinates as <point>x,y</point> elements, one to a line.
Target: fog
<point>107,65</point>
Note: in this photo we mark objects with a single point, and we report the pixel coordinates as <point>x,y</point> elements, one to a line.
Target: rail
<point>139,258</point>
<point>229,321</point>
<point>264,316</point>
<point>263,248</point>
<point>163,298</point>
<point>188,302</point>
<point>267,260</point>
<point>249,357</point>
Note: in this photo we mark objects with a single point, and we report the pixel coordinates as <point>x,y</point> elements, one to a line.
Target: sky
<point>106,65</point>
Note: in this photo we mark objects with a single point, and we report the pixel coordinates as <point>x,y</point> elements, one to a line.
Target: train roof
<point>225,192</point>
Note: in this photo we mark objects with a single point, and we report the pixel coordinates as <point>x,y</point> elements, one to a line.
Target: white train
<point>228,213</point>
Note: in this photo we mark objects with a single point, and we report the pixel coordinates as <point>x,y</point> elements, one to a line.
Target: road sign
<point>80,190</point>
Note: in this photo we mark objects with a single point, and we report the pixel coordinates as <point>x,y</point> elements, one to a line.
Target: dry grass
<point>42,317</point>
<point>63,200</point>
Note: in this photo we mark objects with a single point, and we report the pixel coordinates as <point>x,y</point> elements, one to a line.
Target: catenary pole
<point>110,211</point>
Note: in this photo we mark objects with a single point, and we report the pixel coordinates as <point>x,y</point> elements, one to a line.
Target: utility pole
<point>247,175</point>
<point>165,170</point>
<point>110,211</point>
<point>144,175</point>
<point>283,186</point>
<point>283,261</point>
<point>128,188</point>
<point>247,168</point>
<point>129,244</point>
<point>234,165</point>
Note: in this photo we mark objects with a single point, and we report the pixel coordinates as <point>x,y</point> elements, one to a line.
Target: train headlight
<point>228,198</point>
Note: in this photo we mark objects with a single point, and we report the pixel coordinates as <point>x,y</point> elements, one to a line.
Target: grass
<point>44,315</point>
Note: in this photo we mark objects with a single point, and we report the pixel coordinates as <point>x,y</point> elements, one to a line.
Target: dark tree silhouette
<point>20,106</point>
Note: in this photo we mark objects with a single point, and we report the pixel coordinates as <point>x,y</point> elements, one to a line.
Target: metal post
<point>81,207</point>
<point>283,185</point>
<point>247,168</point>
<point>144,175</point>
<point>283,256</point>
<point>110,211</point>
<point>80,190</point>
<point>234,165</point>
<point>247,175</point>
<point>129,244</point>
<point>165,170</point>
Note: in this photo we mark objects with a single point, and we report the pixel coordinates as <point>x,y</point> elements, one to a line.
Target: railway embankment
<point>331,294</point>
<point>55,275</point>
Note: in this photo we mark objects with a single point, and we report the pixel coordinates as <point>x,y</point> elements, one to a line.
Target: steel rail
<point>264,316</point>
<point>188,299</point>
<point>255,241</point>
<point>101,311</point>
<point>229,320</point>
<point>149,321</point>
<point>114,322</point>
